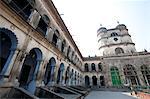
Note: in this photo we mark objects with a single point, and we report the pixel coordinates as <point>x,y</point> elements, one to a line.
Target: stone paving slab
<point>109,95</point>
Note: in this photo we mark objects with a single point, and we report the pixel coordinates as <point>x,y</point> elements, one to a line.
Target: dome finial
<point>118,22</point>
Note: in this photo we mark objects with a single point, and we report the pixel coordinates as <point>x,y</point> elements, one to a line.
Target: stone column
<point>34,18</point>
<point>98,81</point>
<point>139,78</point>
<point>50,34</point>
<point>91,82</point>
<point>40,74</point>
<point>59,43</point>
<point>20,55</point>
<point>32,84</point>
<point>122,76</point>
<point>52,76</point>
<point>8,66</point>
<point>63,76</point>
<point>147,84</point>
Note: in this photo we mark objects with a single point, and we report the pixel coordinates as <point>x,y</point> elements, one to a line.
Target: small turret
<point>102,30</point>
<point>121,27</point>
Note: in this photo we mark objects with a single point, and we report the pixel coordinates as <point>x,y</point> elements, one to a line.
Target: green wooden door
<point>116,81</point>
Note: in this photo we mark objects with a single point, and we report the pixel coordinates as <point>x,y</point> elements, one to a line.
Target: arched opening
<point>43,24</point>
<point>67,74</point>
<point>72,76</point>
<point>87,81</point>
<point>5,46</point>
<point>49,73</point>
<point>114,34</point>
<point>78,79</point>
<point>146,74</point>
<point>86,67</point>
<point>24,8</point>
<point>8,45</point>
<point>94,80</point>
<point>131,75</point>
<point>100,67</point>
<point>63,45</point>
<point>68,51</point>
<point>115,77</point>
<point>102,81</point>
<point>93,67</point>
<point>119,50</point>
<point>60,73</point>
<point>55,37</point>
<point>75,78</point>
<point>30,68</point>
<point>72,56</point>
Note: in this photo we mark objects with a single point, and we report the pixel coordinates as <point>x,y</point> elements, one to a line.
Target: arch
<point>43,24</point>
<point>78,79</point>
<point>8,45</point>
<point>86,67</point>
<point>146,74</point>
<point>93,67</point>
<point>119,50</point>
<point>46,19</point>
<point>24,8</point>
<point>72,55</point>
<point>87,81</point>
<point>115,77</point>
<point>67,74</point>
<point>131,75</point>
<point>60,73</point>
<point>30,69</point>
<point>114,34</point>
<point>94,80</point>
<point>49,73</point>
<point>100,67</point>
<point>11,35</point>
<point>63,45</point>
<point>72,76</point>
<point>55,37</point>
<point>102,81</point>
<point>75,77</point>
<point>68,51</point>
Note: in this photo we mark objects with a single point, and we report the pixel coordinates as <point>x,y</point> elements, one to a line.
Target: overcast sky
<point>83,18</point>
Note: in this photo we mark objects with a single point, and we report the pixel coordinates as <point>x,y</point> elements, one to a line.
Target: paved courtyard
<point>109,95</point>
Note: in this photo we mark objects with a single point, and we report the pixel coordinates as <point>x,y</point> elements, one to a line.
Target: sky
<point>84,17</point>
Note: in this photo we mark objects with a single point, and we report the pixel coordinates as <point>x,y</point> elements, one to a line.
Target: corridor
<point>109,95</point>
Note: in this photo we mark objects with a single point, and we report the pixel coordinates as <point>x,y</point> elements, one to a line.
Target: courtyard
<point>109,95</point>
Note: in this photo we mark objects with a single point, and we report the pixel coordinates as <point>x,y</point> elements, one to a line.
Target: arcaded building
<point>119,64</point>
<point>38,50</point>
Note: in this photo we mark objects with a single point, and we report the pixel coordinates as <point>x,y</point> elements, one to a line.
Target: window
<point>131,75</point>
<point>54,40</point>
<point>93,67</point>
<point>72,55</point>
<point>22,7</point>
<point>86,68</point>
<point>55,37</point>
<point>63,45</point>
<point>116,81</point>
<point>68,51</point>
<point>119,50</point>
<point>115,39</point>
<point>114,34</point>
<point>146,74</point>
<point>43,24</point>
<point>100,67</point>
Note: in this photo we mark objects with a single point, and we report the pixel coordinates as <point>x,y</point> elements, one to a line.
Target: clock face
<point>115,39</point>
